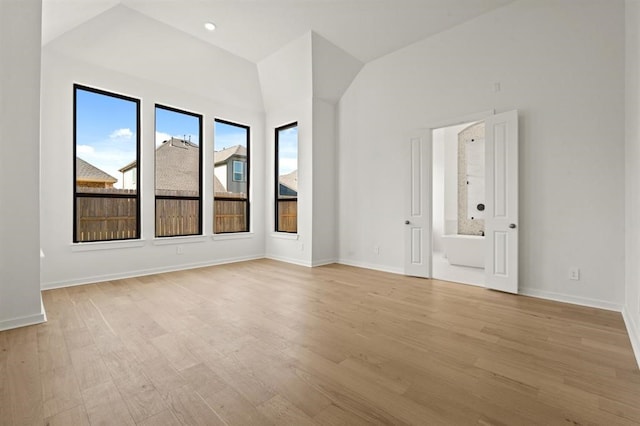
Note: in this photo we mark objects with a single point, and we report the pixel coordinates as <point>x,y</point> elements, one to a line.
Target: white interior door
<point>417,225</point>
<point>501,214</point>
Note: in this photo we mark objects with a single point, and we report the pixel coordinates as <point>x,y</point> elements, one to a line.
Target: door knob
<point>406,222</point>
<point>512,225</point>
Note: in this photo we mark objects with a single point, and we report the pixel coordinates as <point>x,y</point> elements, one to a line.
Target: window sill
<point>285,236</point>
<point>233,236</point>
<point>106,245</point>
<point>166,241</point>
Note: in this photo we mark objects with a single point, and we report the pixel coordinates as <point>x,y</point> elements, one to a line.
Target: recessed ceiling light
<point>210,26</point>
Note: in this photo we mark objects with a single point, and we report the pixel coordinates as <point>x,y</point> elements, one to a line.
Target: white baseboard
<point>633,330</point>
<point>141,272</point>
<point>298,262</point>
<point>567,298</point>
<point>323,262</point>
<point>289,260</point>
<point>541,294</point>
<point>381,268</point>
<point>26,320</point>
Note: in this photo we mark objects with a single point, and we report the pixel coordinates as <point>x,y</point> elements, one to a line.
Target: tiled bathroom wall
<point>471,180</point>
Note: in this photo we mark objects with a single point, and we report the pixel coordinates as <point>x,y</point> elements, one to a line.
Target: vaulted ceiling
<point>254,29</point>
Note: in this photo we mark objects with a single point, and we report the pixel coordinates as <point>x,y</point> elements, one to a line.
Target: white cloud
<point>121,134</point>
<point>287,165</point>
<point>161,137</point>
<point>85,150</point>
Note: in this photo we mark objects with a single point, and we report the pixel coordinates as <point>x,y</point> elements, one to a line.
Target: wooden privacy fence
<point>230,215</point>
<point>288,215</point>
<point>103,217</point>
<point>177,217</point>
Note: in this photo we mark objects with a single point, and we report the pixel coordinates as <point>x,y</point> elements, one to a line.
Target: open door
<point>417,223</point>
<point>501,214</point>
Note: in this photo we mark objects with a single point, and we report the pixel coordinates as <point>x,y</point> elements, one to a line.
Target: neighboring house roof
<point>129,166</point>
<point>290,180</point>
<point>89,173</point>
<point>225,154</point>
<point>178,166</point>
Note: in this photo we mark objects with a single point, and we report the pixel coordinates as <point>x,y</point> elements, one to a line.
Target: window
<point>105,141</point>
<point>231,182</point>
<point>238,171</point>
<point>286,178</point>
<point>178,172</point>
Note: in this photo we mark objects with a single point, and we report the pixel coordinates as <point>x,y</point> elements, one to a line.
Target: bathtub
<point>464,250</point>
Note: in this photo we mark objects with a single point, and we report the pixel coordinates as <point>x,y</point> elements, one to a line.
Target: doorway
<point>458,203</point>
<point>500,208</point>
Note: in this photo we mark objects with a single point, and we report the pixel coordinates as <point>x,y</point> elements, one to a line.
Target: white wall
<point>286,76</point>
<point>286,82</point>
<point>325,225</point>
<point>126,52</point>
<point>128,179</point>
<point>302,83</point>
<point>66,263</point>
<point>567,80</point>
<point>451,178</point>
<point>333,69</point>
<point>438,185</point>
<point>222,175</point>
<point>20,23</point>
<point>631,310</point>
<point>294,248</point>
<point>445,183</point>
<point>126,41</point>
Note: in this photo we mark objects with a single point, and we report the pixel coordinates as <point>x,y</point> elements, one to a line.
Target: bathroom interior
<point>458,203</point>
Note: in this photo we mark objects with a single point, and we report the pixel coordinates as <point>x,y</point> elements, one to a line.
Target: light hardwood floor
<point>264,342</point>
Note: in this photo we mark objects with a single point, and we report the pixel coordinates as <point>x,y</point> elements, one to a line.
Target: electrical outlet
<point>376,249</point>
<point>574,274</point>
<point>179,250</point>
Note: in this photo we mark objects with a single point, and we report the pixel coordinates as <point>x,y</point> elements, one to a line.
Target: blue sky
<point>175,124</point>
<point>105,131</point>
<point>227,135</point>
<point>288,150</point>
